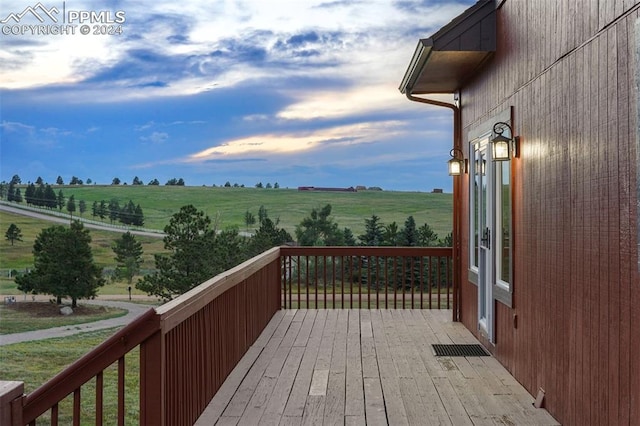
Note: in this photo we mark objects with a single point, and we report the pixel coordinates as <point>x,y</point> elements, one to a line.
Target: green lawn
<point>350,209</point>
<point>28,316</point>
<point>36,362</point>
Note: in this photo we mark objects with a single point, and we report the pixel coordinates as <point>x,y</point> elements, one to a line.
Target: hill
<point>349,209</point>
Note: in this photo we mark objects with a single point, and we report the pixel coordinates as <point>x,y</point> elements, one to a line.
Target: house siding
<point>568,69</point>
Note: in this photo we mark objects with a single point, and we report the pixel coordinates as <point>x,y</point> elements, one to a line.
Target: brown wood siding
<point>568,69</point>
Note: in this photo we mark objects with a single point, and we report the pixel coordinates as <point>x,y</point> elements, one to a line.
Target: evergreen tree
<point>136,181</point>
<point>3,189</point>
<point>267,236</point>
<point>94,209</point>
<point>64,265</point>
<point>50,199</point>
<point>249,219</point>
<point>39,198</point>
<point>318,229</point>
<point>60,200</point>
<point>390,235</point>
<point>59,181</point>
<point>13,233</point>
<point>190,240</point>
<point>262,214</point>
<point>154,182</point>
<point>138,216</point>
<point>39,181</point>
<point>11,192</point>
<point>426,236</point>
<point>18,196</point>
<point>374,232</point>
<point>409,234</point>
<point>128,253</point>
<point>102,210</point>
<point>115,181</point>
<point>29,194</point>
<point>114,210</point>
<point>71,205</point>
<point>82,207</point>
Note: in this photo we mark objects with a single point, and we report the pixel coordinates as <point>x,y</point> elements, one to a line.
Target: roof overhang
<point>443,62</point>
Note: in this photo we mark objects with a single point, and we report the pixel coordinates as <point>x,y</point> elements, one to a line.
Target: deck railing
<point>187,347</point>
<point>367,277</point>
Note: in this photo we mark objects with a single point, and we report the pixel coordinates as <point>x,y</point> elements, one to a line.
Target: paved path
<point>134,310</point>
<point>65,220</point>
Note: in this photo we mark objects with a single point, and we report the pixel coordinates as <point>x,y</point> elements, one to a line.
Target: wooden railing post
<point>153,381</point>
<point>11,396</point>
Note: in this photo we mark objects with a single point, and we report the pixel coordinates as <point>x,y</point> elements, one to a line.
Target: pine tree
<point>128,253</point>
<point>63,265</point>
<point>13,233</point>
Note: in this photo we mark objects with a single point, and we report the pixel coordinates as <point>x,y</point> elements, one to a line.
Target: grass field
<point>159,203</point>
<point>36,362</point>
<point>349,209</point>
<point>28,316</point>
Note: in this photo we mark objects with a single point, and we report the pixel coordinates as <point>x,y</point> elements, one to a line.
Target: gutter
<point>457,196</point>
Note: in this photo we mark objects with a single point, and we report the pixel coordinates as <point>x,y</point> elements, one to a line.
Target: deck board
<point>367,367</point>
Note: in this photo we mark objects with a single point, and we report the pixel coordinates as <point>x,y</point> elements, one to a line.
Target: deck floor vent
<point>459,350</point>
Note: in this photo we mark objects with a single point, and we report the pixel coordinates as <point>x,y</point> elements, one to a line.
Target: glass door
<point>483,220</point>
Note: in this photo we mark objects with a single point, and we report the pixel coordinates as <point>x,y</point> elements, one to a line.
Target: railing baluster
<point>54,416</point>
<point>324,280</point>
<point>306,260</point>
<point>438,280</point>
<point>351,274</point>
<point>342,280</point>
<point>76,407</point>
<point>299,289</point>
<point>430,277</point>
<point>99,394</point>
<point>386,282</point>
<point>421,281</point>
<point>368,282</point>
<point>333,279</point>
<point>121,382</point>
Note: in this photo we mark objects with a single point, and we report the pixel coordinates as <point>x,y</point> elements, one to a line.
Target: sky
<point>302,93</point>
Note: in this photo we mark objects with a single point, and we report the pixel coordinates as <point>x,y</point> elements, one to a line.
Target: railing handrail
<point>177,310</point>
<point>86,367</point>
<point>389,251</point>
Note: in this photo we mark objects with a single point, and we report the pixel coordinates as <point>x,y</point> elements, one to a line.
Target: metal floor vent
<point>459,350</point>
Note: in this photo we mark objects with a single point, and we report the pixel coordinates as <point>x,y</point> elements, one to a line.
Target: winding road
<point>134,311</point>
<point>56,219</point>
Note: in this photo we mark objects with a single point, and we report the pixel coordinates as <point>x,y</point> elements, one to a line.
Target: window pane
<point>504,222</point>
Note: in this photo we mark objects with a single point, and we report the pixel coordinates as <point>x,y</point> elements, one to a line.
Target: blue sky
<point>294,92</point>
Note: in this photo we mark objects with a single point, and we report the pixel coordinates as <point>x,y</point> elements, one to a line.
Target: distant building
<point>437,191</point>
<point>319,188</point>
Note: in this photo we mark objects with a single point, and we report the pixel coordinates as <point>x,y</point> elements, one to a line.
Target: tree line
<point>195,250</point>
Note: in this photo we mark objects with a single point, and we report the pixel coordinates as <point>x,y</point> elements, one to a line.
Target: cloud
<point>288,143</point>
<point>155,137</point>
<point>330,104</point>
<point>55,132</point>
<point>15,127</point>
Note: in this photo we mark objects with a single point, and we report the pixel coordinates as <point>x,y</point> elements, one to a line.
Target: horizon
<point>299,93</point>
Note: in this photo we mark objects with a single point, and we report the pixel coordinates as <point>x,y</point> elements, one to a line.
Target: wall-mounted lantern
<point>457,164</point>
<point>502,147</point>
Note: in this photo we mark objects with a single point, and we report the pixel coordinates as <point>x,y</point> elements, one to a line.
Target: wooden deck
<point>372,367</point>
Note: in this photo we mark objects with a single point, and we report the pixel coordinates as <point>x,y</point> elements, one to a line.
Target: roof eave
<point>444,62</point>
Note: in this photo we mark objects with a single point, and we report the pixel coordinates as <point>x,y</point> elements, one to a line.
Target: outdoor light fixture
<point>457,162</point>
<point>503,147</point>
